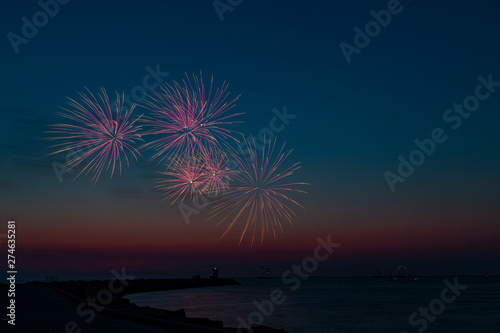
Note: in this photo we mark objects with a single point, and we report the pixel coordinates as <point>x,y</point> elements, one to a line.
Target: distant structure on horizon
<point>266,274</point>
<point>215,273</point>
<point>401,272</point>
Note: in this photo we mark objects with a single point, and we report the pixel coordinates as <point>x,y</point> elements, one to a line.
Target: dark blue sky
<point>352,120</point>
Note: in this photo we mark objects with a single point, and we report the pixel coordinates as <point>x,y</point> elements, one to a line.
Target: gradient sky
<point>352,122</point>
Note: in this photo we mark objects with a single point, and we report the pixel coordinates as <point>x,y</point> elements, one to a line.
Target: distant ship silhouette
<point>400,273</point>
<point>378,274</point>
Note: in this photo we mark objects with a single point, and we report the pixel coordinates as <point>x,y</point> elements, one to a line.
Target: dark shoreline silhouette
<point>118,308</point>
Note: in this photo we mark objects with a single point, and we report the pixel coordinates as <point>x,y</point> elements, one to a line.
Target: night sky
<point>352,121</point>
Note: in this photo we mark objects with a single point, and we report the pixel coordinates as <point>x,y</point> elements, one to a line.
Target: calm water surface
<point>322,305</point>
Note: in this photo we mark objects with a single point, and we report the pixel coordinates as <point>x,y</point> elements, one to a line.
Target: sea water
<point>341,304</point>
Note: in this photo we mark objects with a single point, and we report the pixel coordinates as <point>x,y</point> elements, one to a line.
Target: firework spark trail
<point>217,170</point>
<point>188,118</point>
<point>257,195</point>
<point>206,174</point>
<point>97,133</point>
<point>186,177</point>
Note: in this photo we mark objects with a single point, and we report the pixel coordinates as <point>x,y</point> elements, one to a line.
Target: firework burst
<point>186,177</point>
<point>217,170</point>
<point>98,134</point>
<point>258,195</point>
<point>188,118</point>
<point>205,174</point>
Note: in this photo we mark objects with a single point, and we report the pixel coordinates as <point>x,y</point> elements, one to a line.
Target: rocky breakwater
<point>106,296</point>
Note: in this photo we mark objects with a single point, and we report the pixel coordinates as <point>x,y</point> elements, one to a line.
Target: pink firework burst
<point>184,177</point>
<point>258,196</point>
<point>186,117</point>
<point>217,170</point>
<point>98,134</point>
<point>205,175</point>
